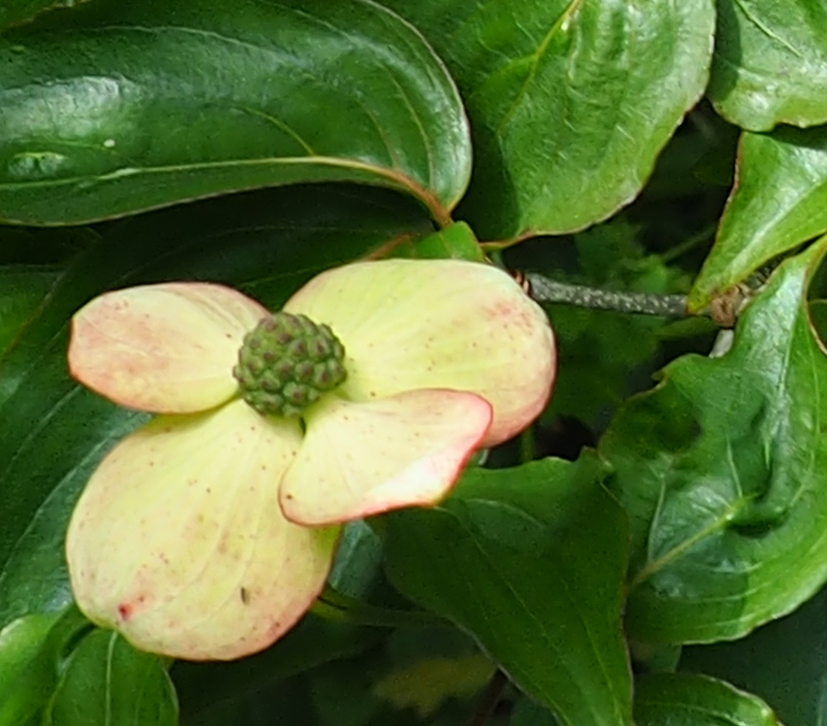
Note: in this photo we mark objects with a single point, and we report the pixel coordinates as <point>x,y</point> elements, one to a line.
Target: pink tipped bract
<point>208,532</point>
<point>167,348</point>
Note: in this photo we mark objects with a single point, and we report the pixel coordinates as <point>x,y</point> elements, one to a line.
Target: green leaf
<point>416,676</point>
<point>284,702</point>
<point>120,107</point>
<point>13,12</point>
<point>784,662</point>
<point>456,241</point>
<point>357,568</point>
<point>426,684</point>
<point>55,432</point>
<point>22,290</point>
<point>529,713</point>
<point>31,650</point>
<point>530,561</point>
<point>779,202</point>
<point>721,468</point>
<point>106,681</point>
<point>25,679</point>
<point>770,63</point>
<point>570,101</point>
<point>43,246</point>
<point>678,699</point>
<point>340,693</point>
<point>202,686</point>
<point>655,657</point>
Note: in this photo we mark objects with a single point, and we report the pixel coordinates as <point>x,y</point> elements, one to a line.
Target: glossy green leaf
<point>106,681</point>
<point>779,202</point>
<point>54,432</point>
<point>679,699</point>
<point>25,678</point>
<point>770,64</point>
<point>22,289</point>
<point>530,561</point>
<point>570,101</point>
<point>31,652</point>
<point>150,103</point>
<point>456,241</point>
<point>18,11</point>
<point>783,662</point>
<point>721,468</point>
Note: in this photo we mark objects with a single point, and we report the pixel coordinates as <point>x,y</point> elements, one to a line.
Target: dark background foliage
<point>652,550</point>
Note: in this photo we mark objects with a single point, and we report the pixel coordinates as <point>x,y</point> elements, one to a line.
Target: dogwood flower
<point>208,532</point>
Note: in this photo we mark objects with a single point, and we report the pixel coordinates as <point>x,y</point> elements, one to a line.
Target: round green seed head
<point>287,362</point>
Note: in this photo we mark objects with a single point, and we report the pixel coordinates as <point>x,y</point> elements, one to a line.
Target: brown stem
<point>489,699</point>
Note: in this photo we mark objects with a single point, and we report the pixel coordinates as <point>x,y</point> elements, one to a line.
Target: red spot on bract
<point>124,611</point>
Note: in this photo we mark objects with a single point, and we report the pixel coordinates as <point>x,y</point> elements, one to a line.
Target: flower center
<point>287,362</point>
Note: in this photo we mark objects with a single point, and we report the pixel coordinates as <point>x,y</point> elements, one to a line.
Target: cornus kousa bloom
<point>208,532</point>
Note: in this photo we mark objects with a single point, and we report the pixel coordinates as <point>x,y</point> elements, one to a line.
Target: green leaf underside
<point>779,202</point>
<point>770,63</point>
<point>152,103</point>
<point>721,468</point>
<point>106,681</point>
<point>13,12</point>
<point>680,699</point>
<point>570,101</point>
<point>516,558</point>
<point>55,432</point>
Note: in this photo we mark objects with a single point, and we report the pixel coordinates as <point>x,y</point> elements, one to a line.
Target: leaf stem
<point>336,606</point>
<point>489,699</point>
<point>545,290</point>
<point>689,244</point>
<point>527,445</point>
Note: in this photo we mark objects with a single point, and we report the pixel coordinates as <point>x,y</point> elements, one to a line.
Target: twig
<point>544,290</point>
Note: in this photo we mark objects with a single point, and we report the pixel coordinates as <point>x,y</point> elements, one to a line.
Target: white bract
<point>207,533</point>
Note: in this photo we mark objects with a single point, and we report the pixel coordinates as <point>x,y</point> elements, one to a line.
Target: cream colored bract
<point>210,531</point>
